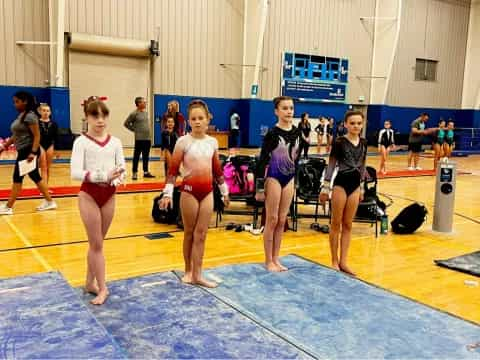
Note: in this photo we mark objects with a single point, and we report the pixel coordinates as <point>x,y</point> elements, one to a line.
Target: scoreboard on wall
<point>314,78</point>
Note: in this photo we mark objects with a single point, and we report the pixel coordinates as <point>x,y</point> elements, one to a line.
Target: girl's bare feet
<point>272,267</point>
<point>205,283</point>
<point>347,270</point>
<point>279,265</point>
<point>187,278</point>
<point>101,297</point>
<point>91,289</point>
<point>335,266</point>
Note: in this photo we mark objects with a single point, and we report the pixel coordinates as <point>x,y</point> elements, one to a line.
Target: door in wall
<point>120,78</point>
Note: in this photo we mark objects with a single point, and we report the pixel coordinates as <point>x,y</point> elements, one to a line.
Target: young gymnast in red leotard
<point>198,153</point>
<point>97,160</point>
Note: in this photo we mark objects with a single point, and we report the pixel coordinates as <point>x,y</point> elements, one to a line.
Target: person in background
<point>449,138</point>
<point>386,143</point>
<point>26,137</point>
<point>169,139</point>
<point>234,131</point>
<point>48,135</point>
<point>331,122</point>
<point>438,140</point>
<point>341,130</point>
<point>305,128</point>
<point>415,140</point>
<point>138,122</point>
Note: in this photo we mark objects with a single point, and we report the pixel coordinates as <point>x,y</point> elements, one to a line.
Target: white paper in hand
<point>25,167</point>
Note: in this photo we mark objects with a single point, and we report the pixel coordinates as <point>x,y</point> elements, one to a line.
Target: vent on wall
<point>426,70</point>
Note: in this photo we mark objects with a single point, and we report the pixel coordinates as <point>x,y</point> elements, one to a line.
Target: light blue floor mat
<point>157,316</point>
<point>41,317</point>
<point>331,315</point>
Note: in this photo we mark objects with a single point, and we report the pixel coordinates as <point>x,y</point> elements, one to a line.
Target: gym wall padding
<point>108,45</point>
<point>402,117</point>
<point>219,107</point>
<point>254,114</point>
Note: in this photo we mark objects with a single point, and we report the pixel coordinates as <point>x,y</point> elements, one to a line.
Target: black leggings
<point>304,147</point>
<point>141,147</point>
<point>22,154</point>
<point>348,180</point>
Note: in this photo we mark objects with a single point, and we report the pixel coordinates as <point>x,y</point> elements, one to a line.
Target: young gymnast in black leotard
<point>274,174</point>
<point>386,142</point>
<point>348,155</point>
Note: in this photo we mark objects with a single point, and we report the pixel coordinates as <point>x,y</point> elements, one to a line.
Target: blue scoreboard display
<point>314,78</point>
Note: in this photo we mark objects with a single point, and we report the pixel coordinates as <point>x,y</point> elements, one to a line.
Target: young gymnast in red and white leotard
<point>97,160</point>
<point>199,154</point>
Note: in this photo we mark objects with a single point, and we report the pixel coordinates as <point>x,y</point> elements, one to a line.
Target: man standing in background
<point>138,122</point>
<point>415,140</point>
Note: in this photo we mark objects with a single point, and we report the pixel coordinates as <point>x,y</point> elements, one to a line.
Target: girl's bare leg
<point>273,193</point>
<point>189,207</point>
<point>349,212</point>
<point>92,218</point>
<point>199,236</point>
<point>283,208</point>
<point>339,199</point>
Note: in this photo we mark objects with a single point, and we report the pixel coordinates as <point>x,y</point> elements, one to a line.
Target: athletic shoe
<point>418,168</point>
<point>148,175</point>
<point>5,210</point>
<point>411,168</point>
<point>47,205</point>
<point>134,176</point>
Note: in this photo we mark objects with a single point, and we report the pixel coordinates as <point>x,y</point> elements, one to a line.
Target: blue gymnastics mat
<point>156,316</point>
<point>331,315</point>
<point>41,317</point>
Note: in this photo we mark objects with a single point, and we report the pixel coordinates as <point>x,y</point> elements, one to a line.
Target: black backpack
<point>309,177</point>
<point>409,219</point>
<point>171,215</point>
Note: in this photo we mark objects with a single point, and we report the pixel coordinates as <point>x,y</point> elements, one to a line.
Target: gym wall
<point>196,36</point>
<point>435,30</point>
<point>25,65</point>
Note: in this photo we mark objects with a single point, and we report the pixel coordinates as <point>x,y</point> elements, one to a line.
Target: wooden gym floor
<point>34,242</point>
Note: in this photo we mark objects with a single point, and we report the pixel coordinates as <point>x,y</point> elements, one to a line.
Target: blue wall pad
<point>42,317</point>
<point>468,263</point>
<point>334,316</point>
<point>402,117</point>
<point>156,316</point>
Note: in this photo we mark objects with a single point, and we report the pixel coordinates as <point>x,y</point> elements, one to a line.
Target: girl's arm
<point>120,168</point>
<point>265,155</point>
<point>173,169</point>
<point>332,163</point>
<point>380,133</point>
<point>363,169</point>
<point>77,162</point>
<point>218,174</point>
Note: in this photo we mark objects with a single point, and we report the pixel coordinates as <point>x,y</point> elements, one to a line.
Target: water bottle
<point>384,224</point>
